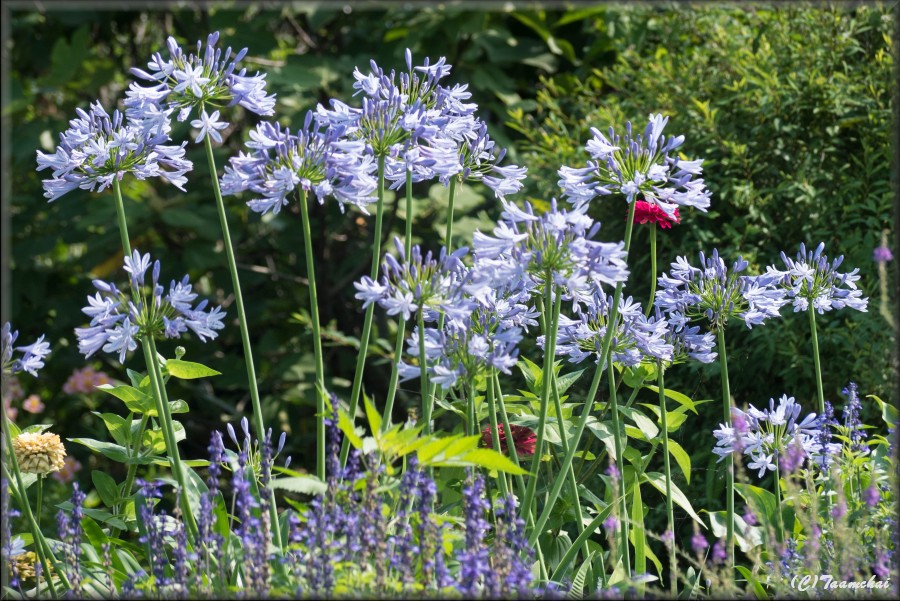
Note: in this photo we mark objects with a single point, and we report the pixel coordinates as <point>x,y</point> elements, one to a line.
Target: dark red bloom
<point>644,212</point>
<point>523,438</point>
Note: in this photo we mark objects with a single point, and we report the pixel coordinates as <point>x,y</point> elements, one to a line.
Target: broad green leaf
<point>603,431</point>
<point>646,425</point>
<point>676,396</point>
<point>532,372</point>
<point>489,459</point>
<point>94,533</point>
<point>564,382</point>
<point>106,487</point>
<point>178,406</point>
<point>682,458</point>
<point>188,370</point>
<point>437,446</point>
<point>888,411</point>
<point>117,426</point>
<point>761,501</point>
<point>134,399</point>
<point>108,449</point>
<point>659,482</point>
<point>37,428</point>
<point>305,485</point>
<point>747,537</point>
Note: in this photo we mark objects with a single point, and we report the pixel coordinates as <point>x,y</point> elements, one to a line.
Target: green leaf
<point>532,372</point>
<point>564,382</point>
<point>682,458</point>
<point>638,538</point>
<point>36,428</point>
<point>94,533</point>
<point>106,487</point>
<point>577,590</point>
<point>603,431</point>
<point>761,501</point>
<point>178,406</point>
<point>677,397</point>
<point>134,399</point>
<point>345,423</point>
<point>305,485</point>
<point>659,482</point>
<point>758,589</point>
<point>373,416</point>
<point>646,425</point>
<point>118,427</point>
<point>489,459</point>
<point>188,370</point>
<point>107,449</point>
<point>888,411</point>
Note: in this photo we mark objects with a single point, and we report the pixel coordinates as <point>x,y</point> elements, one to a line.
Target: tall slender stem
<point>550,327</point>
<point>620,465</point>
<point>238,296</point>
<point>40,497</point>
<point>317,338</point>
<point>448,236</point>
<point>815,344</point>
<point>576,499</point>
<point>589,401</point>
<point>513,454</point>
<point>495,433</point>
<point>649,308</point>
<point>779,521</point>
<point>423,371</point>
<point>729,459</point>
<point>401,324</point>
<point>670,516</point>
<point>370,311</point>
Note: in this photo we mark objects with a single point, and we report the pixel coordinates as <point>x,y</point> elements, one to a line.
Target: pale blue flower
<point>811,280</point>
<point>209,125</point>
<point>32,358</point>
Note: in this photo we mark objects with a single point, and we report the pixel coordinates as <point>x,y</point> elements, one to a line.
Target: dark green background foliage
<point>790,108</point>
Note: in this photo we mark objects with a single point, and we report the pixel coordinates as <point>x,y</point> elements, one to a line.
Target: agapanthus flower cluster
<point>637,165</point>
<point>688,342</point>
<point>119,321</point>
<point>636,338</point>
<point>765,435</point>
<point>715,293</point>
<point>314,160</point>
<point>98,149</point>
<point>422,129</point>
<point>32,358</point>
<point>424,283</point>
<point>811,281</point>
<point>207,80</point>
<point>559,242</point>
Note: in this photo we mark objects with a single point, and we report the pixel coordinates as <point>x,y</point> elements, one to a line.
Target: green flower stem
<point>238,297</point>
<point>317,338</point>
<point>779,521</point>
<point>165,418</point>
<point>495,433</point>
<point>815,344</point>
<point>620,465</point>
<point>513,454</point>
<point>448,236</point>
<point>649,308</point>
<point>575,498</point>
<point>370,311</point>
<point>423,371</point>
<point>471,424</point>
<point>670,516</point>
<point>132,469</point>
<point>401,325</point>
<point>550,327</point>
<point>569,555</point>
<point>589,400</point>
<point>40,497</point>
<point>729,459</point>
<point>40,543</point>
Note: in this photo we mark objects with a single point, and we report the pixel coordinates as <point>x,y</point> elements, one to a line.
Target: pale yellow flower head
<point>39,453</point>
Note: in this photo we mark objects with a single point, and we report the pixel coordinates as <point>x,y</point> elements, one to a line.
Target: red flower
<point>644,212</point>
<point>523,438</point>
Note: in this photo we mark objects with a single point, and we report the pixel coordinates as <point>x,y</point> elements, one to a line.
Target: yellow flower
<point>25,565</point>
<point>39,453</point>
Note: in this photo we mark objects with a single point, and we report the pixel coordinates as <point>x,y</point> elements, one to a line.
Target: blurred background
<point>790,107</point>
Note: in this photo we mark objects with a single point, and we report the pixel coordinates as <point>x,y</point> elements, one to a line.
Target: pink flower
<point>84,381</point>
<point>67,473</point>
<point>644,212</point>
<point>33,404</point>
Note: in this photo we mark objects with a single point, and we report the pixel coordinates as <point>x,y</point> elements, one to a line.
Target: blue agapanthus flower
<point>32,358</point>
<point>637,165</point>
<point>118,320</point>
<point>313,160</point>
<point>636,338</point>
<point>811,280</point>
<point>97,149</point>
<point>558,242</point>
<point>207,80</point>
<point>766,435</point>
<point>716,294</point>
